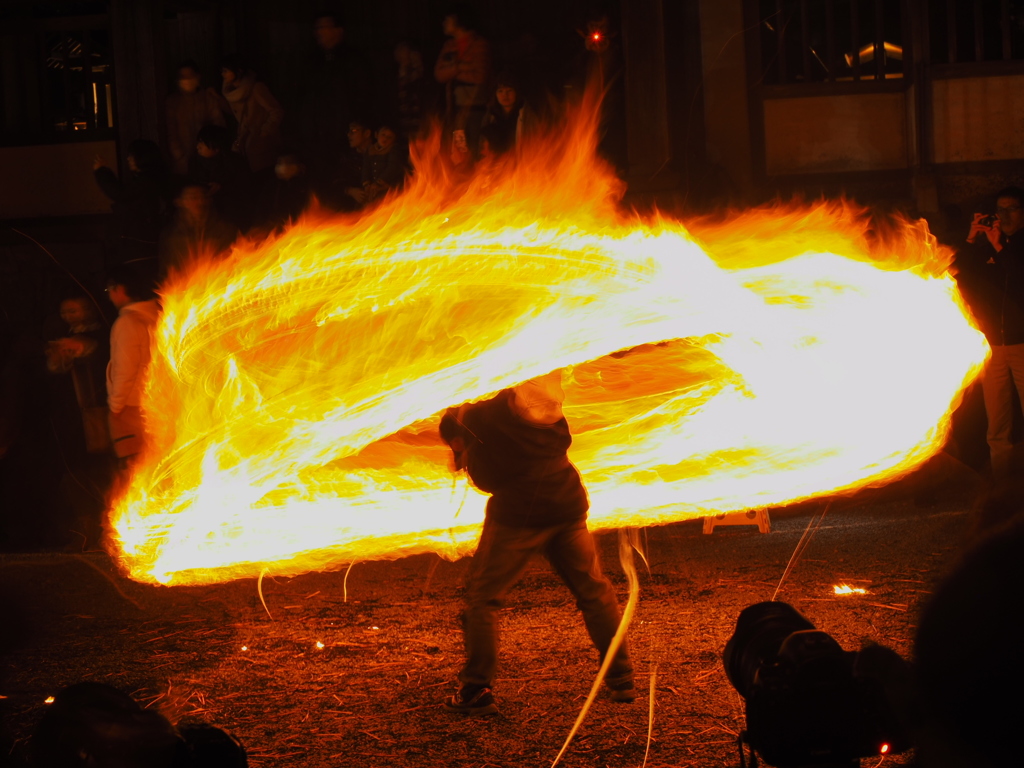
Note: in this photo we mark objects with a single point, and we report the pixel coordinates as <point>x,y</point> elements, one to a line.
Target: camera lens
<point>760,631</point>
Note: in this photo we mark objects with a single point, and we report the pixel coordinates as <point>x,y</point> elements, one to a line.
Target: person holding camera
<point>990,274</point>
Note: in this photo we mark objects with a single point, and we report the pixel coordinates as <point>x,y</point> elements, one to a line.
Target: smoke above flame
<point>775,355</point>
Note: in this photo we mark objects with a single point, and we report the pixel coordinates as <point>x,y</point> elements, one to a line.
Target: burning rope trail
<point>652,691</point>
<point>295,387</point>
<point>812,528</point>
<point>259,591</point>
<point>628,541</point>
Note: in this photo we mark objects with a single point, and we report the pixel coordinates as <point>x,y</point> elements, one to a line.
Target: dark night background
<point>712,105</point>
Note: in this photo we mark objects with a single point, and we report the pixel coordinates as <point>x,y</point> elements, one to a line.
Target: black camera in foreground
<point>92,724</point>
<point>809,702</point>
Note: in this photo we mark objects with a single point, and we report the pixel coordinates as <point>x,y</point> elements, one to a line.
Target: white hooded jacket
<point>131,339</point>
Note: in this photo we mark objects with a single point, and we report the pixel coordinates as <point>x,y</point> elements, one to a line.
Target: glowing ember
<point>846,589</point>
<point>49,700</point>
<point>295,388</point>
<point>319,645</point>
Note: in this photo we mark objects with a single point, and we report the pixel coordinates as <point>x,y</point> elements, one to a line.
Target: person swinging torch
<point>514,447</point>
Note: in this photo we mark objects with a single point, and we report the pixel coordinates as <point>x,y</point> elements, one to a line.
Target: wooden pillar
<point>684,85</point>
<point>138,69</point>
<point>648,144</point>
<point>916,61</point>
<point>726,106</point>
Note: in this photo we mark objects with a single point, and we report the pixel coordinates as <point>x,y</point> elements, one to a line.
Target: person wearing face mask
<point>188,109</point>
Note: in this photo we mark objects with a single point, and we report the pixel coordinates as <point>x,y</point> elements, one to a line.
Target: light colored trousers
<point>1005,370</point>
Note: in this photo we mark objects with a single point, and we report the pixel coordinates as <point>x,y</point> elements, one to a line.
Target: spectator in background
<point>504,116</point>
<point>383,164</point>
<point>490,137</point>
<point>84,353</point>
<point>139,199</point>
<point>258,113</point>
<point>464,68</point>
<point>410,96</point>
<point>286,196</point>
<point>225,174</point>
<point>80,422</point>
<point>197,230</point>
<point>990,273</point>
<point>461,158</point>
<point>350,176</point>
<point>189,109</point>
<point>337,88</point>
<point>131,339</point>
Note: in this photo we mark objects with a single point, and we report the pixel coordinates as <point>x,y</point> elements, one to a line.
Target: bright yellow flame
<point>49,700</point>
<point>884,749</point>
<point>295,387</point>
<point>846,589</point>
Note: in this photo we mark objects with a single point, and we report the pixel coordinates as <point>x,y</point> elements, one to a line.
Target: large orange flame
<point>295,387</point>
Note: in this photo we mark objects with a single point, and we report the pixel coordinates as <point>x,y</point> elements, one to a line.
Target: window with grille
<point>56,78</point>
<point>964,31</point>
<point>830,41</point>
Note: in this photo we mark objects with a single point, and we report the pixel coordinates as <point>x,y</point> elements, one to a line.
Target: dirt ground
<point>391,644</point>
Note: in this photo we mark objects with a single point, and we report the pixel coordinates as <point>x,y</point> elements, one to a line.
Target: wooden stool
<point>758,517</point>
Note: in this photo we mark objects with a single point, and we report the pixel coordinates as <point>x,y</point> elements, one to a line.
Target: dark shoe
<point>624,692</point>
<point>472,700</point>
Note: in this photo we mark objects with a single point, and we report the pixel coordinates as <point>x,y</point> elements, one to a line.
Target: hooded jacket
<point>130,350</point>
<point>519,455</point>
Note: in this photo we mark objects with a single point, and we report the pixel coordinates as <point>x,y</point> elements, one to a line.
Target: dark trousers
<point>501,557</point>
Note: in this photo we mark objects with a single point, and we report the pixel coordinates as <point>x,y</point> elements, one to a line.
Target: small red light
<point>597,35</point>
<point>884,750</point>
